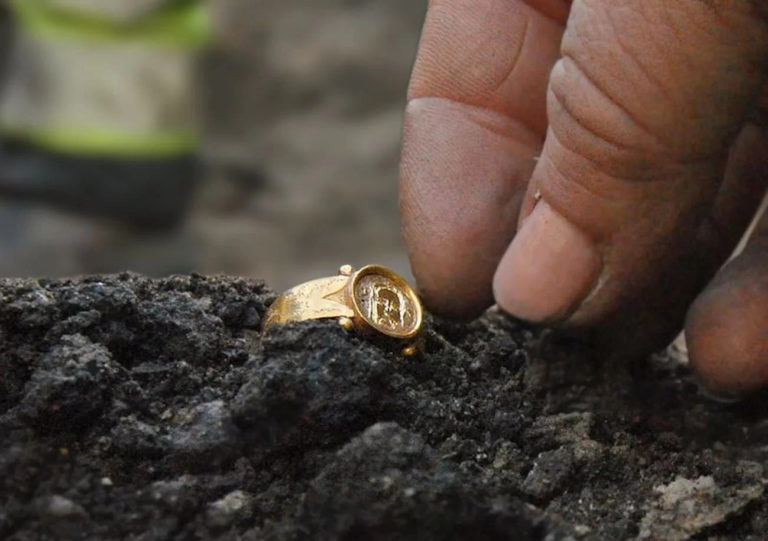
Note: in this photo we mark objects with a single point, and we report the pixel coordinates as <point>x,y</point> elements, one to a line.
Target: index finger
<point>475,122</point>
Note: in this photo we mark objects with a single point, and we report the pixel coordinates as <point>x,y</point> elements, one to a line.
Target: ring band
<point>373,300</point>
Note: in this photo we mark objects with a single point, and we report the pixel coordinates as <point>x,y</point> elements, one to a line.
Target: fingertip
<point>548,270</point>
<point>727,331</point>
<point>446,297</point>
<point>462,176</point>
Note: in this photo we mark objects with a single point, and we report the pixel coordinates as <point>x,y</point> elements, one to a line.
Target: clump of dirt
<point>133,408</point>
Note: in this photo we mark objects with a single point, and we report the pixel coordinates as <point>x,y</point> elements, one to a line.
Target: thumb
<point>643,107</point>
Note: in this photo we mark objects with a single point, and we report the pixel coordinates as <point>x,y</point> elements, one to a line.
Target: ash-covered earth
<point>143,409</point>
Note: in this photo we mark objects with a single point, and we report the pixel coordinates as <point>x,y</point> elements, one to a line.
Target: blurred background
<point>245,137</point>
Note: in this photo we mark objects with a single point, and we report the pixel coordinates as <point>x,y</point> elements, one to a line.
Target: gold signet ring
<point>374,301</point>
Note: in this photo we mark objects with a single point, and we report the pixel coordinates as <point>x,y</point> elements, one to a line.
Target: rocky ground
<point>146,409</point>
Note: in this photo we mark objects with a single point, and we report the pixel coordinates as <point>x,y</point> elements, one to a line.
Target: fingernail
<point>548,270</point>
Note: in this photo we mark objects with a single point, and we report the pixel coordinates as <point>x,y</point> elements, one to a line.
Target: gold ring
<point>374,301</point>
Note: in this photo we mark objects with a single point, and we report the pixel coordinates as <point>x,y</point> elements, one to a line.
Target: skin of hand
<point>592,165</point>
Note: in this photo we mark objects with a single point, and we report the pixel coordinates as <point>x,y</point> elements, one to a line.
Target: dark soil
<point>153,409</point>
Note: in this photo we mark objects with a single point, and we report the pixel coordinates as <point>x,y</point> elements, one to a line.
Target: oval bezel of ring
<point>398,290</point>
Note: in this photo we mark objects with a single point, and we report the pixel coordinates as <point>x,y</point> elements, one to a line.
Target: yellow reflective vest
<point>106,77</point>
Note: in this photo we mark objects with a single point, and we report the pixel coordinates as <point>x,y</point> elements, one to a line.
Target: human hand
<point>593,165</point>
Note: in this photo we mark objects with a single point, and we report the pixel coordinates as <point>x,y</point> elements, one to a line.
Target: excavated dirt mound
<point>146,409</point>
